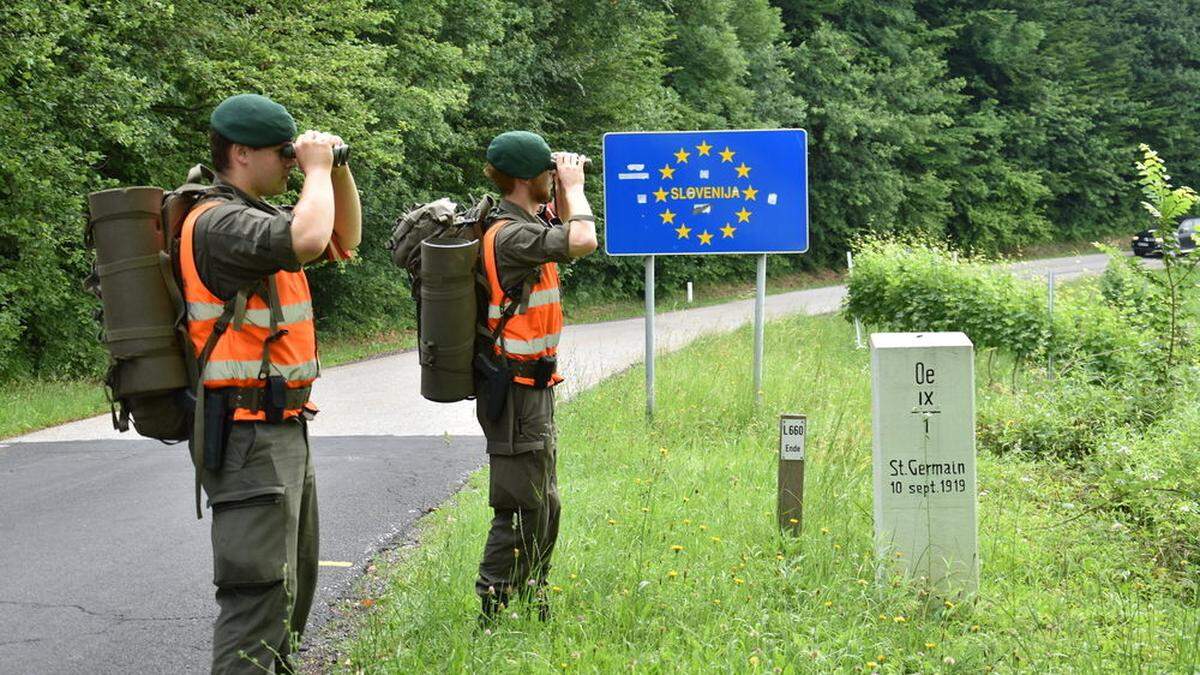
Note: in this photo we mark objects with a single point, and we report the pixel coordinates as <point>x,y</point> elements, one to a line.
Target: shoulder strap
<point>198,416</point>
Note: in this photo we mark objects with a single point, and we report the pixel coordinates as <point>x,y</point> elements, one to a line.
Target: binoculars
<point>341,153</point>
<point>587,165</point>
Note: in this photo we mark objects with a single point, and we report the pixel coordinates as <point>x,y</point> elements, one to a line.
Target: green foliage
<point>992,123</point>
<point>739,596</point>
<point>912,285</point>
<point>1150,477</point>
<point>1065,419</point>
<point>1166,204</point>
<point>916,286</point>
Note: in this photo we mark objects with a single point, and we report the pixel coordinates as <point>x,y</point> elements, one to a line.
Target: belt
<point>254,398</point>
<point>541,371</point>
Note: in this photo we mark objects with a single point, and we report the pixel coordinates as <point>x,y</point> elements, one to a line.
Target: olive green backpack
<point>153,370</point>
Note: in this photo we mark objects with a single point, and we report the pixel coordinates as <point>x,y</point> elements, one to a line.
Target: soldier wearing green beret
<point>243,255</point>
<point>521,250</point>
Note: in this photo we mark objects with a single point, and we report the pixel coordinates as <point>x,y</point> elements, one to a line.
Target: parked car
<point>1146,243</point>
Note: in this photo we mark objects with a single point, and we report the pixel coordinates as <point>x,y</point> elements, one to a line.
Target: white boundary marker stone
<point>923,416</point>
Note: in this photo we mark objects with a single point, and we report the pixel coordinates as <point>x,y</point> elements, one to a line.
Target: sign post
<point>792,431</point>
<point>650,336</point>
<point>704,193</point>
<point>923,415</point>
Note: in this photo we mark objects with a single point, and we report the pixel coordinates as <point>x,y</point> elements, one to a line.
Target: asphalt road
<point>104,567</point>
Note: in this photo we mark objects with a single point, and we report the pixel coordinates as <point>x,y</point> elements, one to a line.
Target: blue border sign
<point>705,192</point>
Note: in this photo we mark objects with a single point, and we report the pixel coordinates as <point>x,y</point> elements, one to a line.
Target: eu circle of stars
<point>681,160</point>
<point>699,192</point>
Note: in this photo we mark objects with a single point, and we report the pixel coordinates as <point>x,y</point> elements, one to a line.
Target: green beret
<point>253,120</point>
<point>520,154</point>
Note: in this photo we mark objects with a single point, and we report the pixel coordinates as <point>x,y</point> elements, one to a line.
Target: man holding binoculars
<point>521,250</point>
<point>251,324</point>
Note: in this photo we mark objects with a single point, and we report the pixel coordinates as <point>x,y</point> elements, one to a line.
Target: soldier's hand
<point>314,150</point>
<point>569,169</point>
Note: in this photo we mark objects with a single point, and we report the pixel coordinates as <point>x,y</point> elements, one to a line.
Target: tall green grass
<point>1061,589</point>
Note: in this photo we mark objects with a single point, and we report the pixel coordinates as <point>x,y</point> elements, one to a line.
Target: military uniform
<point>263,498</point>
<point>521,444</point>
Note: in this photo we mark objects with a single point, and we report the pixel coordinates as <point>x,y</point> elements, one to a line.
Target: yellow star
<point>750,194</point>
<point>683,231</point>
<point>727,154</point>
<point>743,171</point>
<point>743,215</point>
<point>660,195</point>
<point>706,238</point>
<point>667,216</point>
<point>667,171</point>
<point>682,156</point>
<point>704,147</point>
<point>728,231</point>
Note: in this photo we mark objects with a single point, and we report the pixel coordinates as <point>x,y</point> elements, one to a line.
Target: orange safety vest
<point>237,358</point>
<point>534,330</point>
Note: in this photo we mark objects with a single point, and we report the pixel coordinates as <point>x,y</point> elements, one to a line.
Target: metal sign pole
<point>1050,305</point>
<point>858,343</point>
<point>650,336</point>
<point>760,299</point>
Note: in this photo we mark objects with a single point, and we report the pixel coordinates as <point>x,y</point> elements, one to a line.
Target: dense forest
<point>993,123</point>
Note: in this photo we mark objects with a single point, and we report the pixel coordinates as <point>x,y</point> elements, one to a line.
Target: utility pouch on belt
<point>216,421</point>
<point>543,370</point>
<point>496,380</point>
<point>276,401</point>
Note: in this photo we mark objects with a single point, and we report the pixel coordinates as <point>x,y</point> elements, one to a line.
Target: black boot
<point>491,606</point>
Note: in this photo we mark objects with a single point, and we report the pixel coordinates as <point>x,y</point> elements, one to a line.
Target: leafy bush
<point>915,286</point>
<point>1062,419</point>
<point>1149,477</point>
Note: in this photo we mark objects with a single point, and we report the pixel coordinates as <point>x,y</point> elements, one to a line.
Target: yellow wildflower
<point>862,582</point>
<point>949,605</point>
<point>687,521</point>
<point>829,603</point>
<point>672,574</point>
<point>871,665</point>
<point>754,660</point>
<point>611,521</point>
<point>779,556</point>
<point>556,589</point>
<point>899,619</point>
<point>676,547</point>
<point>824,530</point>
<point>662,451</point>
<point>716,540</point>
<point>573,575</point>
<point>703,527</point>
<point>739,581</point>
<point>793,521</point>
<point>975,628</point>
<point>645,509</point>
<point>930,645</point>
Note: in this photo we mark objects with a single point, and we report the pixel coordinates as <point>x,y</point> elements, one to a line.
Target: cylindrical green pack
<point>447,328</point>
<point>135,276</point>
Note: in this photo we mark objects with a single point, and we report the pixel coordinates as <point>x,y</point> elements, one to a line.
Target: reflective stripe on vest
<point>549,296</point>
<point>236,359</point>
<point>535,330</point>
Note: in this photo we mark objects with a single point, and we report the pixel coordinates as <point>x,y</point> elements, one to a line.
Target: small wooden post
<point>792,431</point>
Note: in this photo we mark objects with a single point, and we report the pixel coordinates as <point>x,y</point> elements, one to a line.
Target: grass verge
<point>669,559</point>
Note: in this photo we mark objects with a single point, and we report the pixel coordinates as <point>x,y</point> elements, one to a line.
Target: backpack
<point>438,244</point>
<point>153,372</point>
